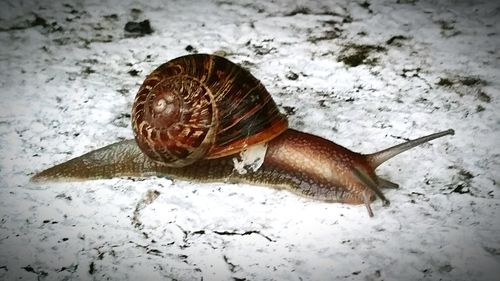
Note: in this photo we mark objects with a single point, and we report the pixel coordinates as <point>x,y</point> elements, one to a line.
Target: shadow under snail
<point>203,118</point>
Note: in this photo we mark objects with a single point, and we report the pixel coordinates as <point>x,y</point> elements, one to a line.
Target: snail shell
<point>202,107</point>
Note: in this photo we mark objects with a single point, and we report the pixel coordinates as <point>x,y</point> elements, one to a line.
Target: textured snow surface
<point>365,74</point>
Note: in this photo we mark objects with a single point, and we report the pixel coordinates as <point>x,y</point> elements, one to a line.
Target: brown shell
<point>202,106</point>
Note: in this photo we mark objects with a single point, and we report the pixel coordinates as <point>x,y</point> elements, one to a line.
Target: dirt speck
<point>396,40</point>
<point>354,54</point>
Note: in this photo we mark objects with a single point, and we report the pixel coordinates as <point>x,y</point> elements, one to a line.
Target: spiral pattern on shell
<point>202,106</point>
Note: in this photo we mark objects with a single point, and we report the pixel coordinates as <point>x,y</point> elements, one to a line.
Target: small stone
<point>292,75</point>
<point>138,28</point>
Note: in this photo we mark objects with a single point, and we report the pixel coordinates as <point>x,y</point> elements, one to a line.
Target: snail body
<point>241,137</point>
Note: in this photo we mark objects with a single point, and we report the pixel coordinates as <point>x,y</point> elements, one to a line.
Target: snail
<point>203,118</point>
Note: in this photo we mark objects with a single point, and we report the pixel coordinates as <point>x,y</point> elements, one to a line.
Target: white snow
<point>250,159</point>
<point>67,84</point>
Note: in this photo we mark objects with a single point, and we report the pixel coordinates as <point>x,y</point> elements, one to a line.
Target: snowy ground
<point>364,74</point>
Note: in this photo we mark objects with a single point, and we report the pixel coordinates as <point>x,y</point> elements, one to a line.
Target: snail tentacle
<point>386,183</point>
